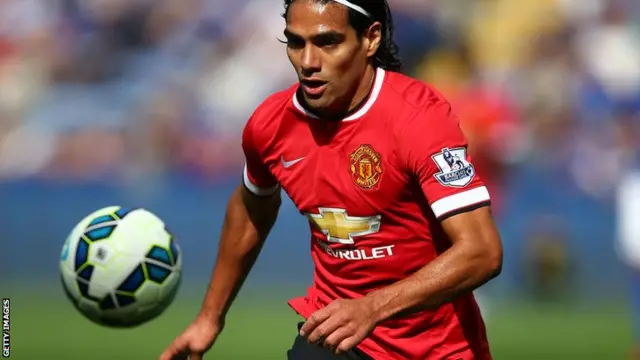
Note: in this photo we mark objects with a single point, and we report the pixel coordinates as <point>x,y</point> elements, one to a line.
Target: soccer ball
<point>121,267</point>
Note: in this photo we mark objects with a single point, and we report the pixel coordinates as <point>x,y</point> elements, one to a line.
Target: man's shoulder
<point>414,92</point>
<point>273,107</point>
<point>412,99</point>
<point>268,117</point>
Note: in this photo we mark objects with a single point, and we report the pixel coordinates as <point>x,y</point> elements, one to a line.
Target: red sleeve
<point>433,150</point>
<point>256,175</point>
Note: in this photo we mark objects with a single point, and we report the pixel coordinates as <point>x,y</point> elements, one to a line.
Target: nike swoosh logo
<point>288,164</point>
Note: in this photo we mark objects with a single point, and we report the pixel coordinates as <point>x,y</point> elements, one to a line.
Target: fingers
<point>170,353</point>
<point>326,328</point>
<point>175,351</point>
<point>347,344</point>
<point>336,337</point>
<point>166,355</point>
<point>314,320</point>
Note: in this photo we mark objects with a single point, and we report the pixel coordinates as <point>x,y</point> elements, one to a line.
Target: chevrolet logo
<point>342,228</point>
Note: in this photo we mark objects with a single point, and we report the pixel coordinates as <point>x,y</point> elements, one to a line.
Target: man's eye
<point>328,42</point>
<point>293,43</point>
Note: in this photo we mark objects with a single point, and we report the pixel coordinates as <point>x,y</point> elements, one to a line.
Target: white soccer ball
<point>121,267</point>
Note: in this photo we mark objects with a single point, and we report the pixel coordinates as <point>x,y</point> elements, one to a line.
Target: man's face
<point>325,51</point>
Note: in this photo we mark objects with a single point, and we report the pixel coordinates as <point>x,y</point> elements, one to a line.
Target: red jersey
<point>374,187</point>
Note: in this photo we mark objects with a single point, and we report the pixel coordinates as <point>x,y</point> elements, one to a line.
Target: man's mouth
<point>313,87</point>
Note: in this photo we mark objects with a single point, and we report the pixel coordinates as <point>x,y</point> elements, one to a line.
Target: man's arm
<point>474,258</point>
<point>435,152</point>
<point>248,221</point>
<point>251,212</point>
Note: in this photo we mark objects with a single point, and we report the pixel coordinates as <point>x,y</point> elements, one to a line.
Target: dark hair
<point>387,55</point>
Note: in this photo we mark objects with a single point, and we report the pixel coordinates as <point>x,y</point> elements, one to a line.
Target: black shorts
<point>302,350</point>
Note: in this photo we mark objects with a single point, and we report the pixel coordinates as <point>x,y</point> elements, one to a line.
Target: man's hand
<point>341,325</point>
<point>193,342</point>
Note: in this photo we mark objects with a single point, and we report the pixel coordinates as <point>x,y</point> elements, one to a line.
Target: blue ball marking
<point>65,249</point>
<point>133,281</point>
<point>82,254</point>
<point>123,211</point>
<point>159,254</point>
<point>100,233</point>
<point>86,272</point>
<point>124,300</point>
<point>107,303</point>
<point>100,220</point>
<point>157,273</point>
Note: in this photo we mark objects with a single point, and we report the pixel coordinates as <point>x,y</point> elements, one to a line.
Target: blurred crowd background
<point>123,88</point>
<point>143,102</point>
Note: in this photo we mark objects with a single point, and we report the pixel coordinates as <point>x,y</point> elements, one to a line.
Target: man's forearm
<point>246,226</point>
<point>460,269</point>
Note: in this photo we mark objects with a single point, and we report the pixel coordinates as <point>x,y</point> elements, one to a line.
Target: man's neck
<point>355,100</point>
<point>364,88</point>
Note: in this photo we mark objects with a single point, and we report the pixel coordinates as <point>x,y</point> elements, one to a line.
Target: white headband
<point>355,7</point>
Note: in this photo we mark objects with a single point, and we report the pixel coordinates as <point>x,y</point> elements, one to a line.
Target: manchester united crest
<point>366,166</point>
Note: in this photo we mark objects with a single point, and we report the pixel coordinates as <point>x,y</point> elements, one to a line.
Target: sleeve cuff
<point>255,189</point>
<point>454,203</point>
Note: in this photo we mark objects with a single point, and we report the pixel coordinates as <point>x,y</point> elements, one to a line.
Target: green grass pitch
<point>47,327</point>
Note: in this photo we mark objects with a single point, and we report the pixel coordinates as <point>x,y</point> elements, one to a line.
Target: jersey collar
<point>373,96</point>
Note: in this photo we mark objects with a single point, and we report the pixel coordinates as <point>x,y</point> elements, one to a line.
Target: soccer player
<point>401,227</point>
